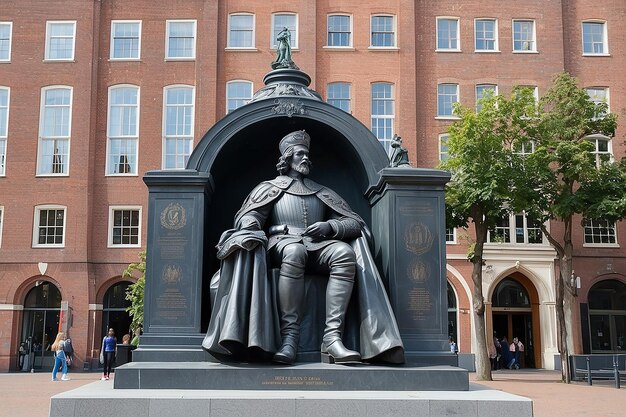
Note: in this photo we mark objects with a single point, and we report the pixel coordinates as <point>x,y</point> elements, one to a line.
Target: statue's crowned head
<point>287,146</point>
<point>299,137</point>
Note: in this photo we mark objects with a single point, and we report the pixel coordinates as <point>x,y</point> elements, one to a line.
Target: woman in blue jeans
<point>59,357</point>
<point>109,346</point>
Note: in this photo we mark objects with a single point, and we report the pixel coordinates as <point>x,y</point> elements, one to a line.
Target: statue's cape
<point>244,322</point>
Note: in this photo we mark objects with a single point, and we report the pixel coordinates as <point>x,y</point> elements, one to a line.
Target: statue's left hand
<point>319,230</point>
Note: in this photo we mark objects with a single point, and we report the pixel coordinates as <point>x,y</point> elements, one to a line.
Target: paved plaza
<point>28,395</point>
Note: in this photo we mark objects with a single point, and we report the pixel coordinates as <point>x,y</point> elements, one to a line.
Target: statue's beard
<point>303,168</point>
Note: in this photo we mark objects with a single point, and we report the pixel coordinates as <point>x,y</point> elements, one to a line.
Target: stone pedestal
<point>173,299</point>
<point>408,217</point>
<point>302,377</point>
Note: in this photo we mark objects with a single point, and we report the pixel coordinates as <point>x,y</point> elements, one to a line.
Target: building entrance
<point>114,311</point>
<point>42,309</point>
<point>517,324</point>
<point>515,314</point>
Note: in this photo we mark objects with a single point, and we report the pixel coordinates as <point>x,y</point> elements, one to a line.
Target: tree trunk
<point>564,296</point>
<point>483,364</point>
<point>564,300</point>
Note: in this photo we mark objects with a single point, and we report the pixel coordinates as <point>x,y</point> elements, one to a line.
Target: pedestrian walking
<point>60,360</point>
<point>109,347</point>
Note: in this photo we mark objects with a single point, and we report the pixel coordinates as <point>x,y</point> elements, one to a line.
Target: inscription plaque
<point>173,298</point>
<point>417,265</point>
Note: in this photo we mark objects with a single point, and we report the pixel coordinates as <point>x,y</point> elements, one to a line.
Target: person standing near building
<point>516,348</point>
<point>60,360</point>
<point>109,346</point>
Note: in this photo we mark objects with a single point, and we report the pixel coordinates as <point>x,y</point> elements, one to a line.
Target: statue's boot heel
<point>337,353</point>
<point>286,354</point>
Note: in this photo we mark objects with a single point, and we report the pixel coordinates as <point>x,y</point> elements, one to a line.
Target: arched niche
<point>241,150</point>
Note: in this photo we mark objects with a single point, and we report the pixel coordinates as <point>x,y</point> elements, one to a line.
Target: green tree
<point>482,162</point>
<point>564,178</point>
<point>135,291</point>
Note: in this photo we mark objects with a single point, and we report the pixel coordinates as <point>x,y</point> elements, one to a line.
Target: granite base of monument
<point>306,376</point>
<point>99,399</point>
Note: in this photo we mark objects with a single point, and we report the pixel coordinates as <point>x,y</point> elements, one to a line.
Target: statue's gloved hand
<point>319,230</point>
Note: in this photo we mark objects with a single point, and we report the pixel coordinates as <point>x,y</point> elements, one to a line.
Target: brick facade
<point>85,267</point>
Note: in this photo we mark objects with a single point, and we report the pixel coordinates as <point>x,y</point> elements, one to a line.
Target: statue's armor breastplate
<point>297,210</point>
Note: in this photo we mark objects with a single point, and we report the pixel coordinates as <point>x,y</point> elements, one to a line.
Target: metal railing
<point>598,367</point>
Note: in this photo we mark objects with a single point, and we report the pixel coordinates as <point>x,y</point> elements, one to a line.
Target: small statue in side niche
<point>398,154</point>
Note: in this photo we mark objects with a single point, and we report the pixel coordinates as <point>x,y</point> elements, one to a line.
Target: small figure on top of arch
<point>283,50</point>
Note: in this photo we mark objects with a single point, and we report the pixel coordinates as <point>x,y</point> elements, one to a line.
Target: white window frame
<point>458,34</point>
<point>600,245</point>
<point>596,153</point>
<point>511,229</point>
<point>168,36</point>
<point>535,91</point>
<point>294,36</point>
<point>67,139</point>
<point>523,149</point>
<point>350,33</point>
<point>452,116</point>
<point>5,136</point>
<point>394,22</point>
<point>495,93</point>
<point>8,58</point>
<point>532,50</point>
<point>126,137</point>
<point>441,140</point>
<point>595,100</point>
<point>189,137</point>
<point>605,38</point>
<point>228,34</point>
<point>112,210</point>
<point>112,41</point>
<point>49,24</point>
<point>454,236</point>
<point>496,44</point>
<point>36,226</point>
<point>228,99</point>
<point>384,141</point>
<point>348,100</point>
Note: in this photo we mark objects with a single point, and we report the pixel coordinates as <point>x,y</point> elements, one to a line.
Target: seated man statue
<point>297,225</point>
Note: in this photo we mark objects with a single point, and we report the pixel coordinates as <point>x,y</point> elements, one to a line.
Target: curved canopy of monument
<point>330,127</point>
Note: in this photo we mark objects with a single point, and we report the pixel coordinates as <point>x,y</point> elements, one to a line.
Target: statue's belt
<point>284,229</point>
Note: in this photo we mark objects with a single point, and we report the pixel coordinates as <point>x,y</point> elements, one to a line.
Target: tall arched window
<point>114,314</point>
<point>607,316</point>
<point>42,307</point>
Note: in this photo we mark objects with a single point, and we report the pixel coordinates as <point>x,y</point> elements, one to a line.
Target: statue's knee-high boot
<point>338,294</point>
<point>290,299</point>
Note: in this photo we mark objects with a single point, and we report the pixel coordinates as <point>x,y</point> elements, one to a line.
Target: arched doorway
<point>515,313</point>
<point>607,317</point>
<point>42,308</point>
<point>114,314</point>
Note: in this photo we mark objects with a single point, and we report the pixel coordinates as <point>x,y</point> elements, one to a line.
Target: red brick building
<point>95,93</point>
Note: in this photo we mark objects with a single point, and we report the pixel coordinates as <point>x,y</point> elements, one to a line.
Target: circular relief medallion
<point>418,271</point>
<point>418,238</point>
<point>173,217</point>
<point>172,274</point>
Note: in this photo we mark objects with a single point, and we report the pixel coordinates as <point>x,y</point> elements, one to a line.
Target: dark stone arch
<point>241,150</point>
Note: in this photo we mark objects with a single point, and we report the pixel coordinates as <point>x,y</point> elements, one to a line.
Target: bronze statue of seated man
<point>301,226</point>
